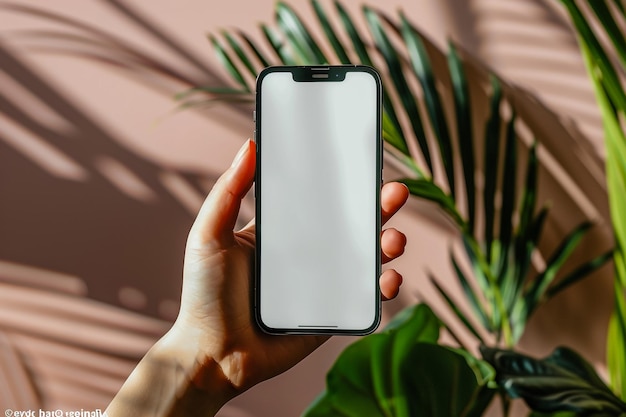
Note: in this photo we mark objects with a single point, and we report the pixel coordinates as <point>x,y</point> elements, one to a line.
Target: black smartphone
<point>318,178</point>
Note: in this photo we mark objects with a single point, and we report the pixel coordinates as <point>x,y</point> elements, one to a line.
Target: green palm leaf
<point>492,154</point>
<point>509,188</point>
<point>361,50</point>
<point>456,310</point>
<point>428,190</point>
<point>602,11</point>
<point>601,61</point>
<point>237,48</point>
<point>474,300</point>
<point>423,71</point>
<point>255,49</point>
<point>228,63</point>
<point>276,43</point>
<point>463,118</point>
<point>539,286</point>
<point>394,66</point>
<point>299,37</point>
<point>612,100</point>
<point>340,51</point>
<point>580,273</point>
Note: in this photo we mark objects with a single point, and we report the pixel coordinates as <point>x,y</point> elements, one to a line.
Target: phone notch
<point>319,73</point>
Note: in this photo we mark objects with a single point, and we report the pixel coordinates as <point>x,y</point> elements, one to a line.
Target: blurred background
<point>102,172</point>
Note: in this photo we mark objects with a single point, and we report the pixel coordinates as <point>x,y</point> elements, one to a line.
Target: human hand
<point>215,315</point>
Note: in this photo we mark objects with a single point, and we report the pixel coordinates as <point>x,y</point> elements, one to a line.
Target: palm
<point>216,308</point>
<point>217,290</point>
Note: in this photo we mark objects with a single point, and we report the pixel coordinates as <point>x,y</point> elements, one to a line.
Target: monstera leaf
<point>403,372</point>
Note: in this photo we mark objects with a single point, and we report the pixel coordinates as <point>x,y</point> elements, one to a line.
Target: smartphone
<point>317,190</point>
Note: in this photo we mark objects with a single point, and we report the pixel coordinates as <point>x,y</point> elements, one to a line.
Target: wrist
<point>213,348</point>
<point>173,379</point>
<point>199,377</point>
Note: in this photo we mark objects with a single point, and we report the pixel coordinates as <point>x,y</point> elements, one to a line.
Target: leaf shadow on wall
<point>88,224</point>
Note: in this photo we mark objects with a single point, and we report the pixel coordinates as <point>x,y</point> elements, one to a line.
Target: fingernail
<point>242,152</point>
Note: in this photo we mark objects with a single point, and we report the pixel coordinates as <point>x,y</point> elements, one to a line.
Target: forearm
<point>173,379</point>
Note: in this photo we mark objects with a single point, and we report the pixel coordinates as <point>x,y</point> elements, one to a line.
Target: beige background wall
<point>100,179</point>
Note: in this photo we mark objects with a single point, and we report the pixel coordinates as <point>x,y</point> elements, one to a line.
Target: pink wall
<point>100,179</point>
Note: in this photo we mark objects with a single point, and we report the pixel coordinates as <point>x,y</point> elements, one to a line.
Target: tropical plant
<point>500,253</point>
<point>612,100</point>
<point>385,374</point>
<point>562,382</point>
<point>505,292</point>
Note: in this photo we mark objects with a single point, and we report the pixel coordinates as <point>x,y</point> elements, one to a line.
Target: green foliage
<point>500,253</point>
<point>501,289</point>
<point>501,265</point>
<point>616,344</point>
<point>386,374</point>
<point>562,382</point>
<point>612,100</point>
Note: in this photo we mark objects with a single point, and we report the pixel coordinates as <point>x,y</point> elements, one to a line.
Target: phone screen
<point>318,199</point>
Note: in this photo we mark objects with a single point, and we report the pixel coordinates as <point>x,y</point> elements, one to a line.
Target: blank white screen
<point>318,160</point>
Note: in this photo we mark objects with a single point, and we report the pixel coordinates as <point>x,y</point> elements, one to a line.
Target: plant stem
<point>506,404</point>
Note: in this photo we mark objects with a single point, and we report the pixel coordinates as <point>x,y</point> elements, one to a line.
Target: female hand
<point>214,350</point>
<point>218,263</point>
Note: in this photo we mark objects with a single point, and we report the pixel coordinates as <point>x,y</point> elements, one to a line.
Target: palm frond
<point>463,120</point>
<point>612,29</point>
<point>361,50</point>
<point>538,288</point>
<point>396,73</point>
<point>237,48</point>
<point>300,38</point>
<point>265,62</point>
<point>580,273</point>
<point>509,187</point>
<point>228,63</point>
<point>428,190</point>
<point>456,310</point>
<point>500,254</point>
<point>273,39</point>
<point>423,70</point>
<point>611,97</point>
<point>490,169</point>
<point>476,303</point>
<point>331,35</point>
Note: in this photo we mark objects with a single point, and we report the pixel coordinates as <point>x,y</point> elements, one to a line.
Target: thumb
<point>218,214</point>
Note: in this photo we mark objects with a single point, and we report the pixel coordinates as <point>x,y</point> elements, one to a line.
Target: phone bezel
<point>334,73</point>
